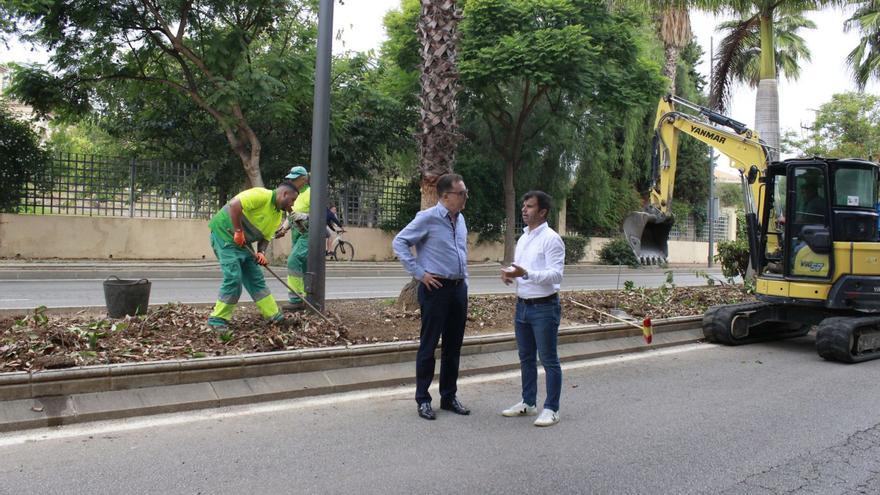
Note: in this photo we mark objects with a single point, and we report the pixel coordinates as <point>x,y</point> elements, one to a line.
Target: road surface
<point>27,294</point>
<point>761,419</point>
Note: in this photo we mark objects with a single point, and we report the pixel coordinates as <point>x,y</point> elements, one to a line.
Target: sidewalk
<point>94,393</point>
<point>136,269</point>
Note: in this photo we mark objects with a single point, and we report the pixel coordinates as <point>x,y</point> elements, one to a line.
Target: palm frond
<point>729,56</point>
<point>864,59</point>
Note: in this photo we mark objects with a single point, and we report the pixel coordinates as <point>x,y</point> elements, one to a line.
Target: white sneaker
<point>548,417</point>
<point>520,409</point>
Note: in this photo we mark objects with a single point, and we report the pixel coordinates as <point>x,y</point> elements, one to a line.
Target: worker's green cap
<point>295,172</point>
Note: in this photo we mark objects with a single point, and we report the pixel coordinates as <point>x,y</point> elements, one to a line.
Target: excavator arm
<point>647,231</point>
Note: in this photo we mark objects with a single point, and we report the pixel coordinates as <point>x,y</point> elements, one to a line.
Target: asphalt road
<point>25,294</point>
<point>761,419</point>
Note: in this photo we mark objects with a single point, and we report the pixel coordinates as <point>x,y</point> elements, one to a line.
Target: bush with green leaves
<point>734,255</point>
<point>574,248</point>
<point>618,252</point>
<point>23,160</point>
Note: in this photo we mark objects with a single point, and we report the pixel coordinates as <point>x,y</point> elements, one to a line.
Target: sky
<point>358,27</point>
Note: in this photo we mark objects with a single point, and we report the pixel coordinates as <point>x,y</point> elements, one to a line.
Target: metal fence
<point>684,229</point>
<point>371,203</point>
<point>104,186</point>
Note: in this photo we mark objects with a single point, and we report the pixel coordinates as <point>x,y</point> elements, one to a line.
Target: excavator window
<point>855,202</point>
<point>809,230</point>
<point>810,197</point>
<point>773,254</point>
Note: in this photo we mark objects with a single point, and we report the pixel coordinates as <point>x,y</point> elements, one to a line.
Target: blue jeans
<point>537,329</point>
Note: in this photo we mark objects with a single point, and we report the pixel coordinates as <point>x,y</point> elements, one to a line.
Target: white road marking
<point>174,419</point>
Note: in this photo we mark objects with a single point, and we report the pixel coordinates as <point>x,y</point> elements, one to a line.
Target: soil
<point>37,340</point>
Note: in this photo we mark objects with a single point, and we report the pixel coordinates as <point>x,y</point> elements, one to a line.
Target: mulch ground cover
<point>37,340</point>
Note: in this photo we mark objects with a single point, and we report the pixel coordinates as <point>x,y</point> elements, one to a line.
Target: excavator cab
<point>810,205</point>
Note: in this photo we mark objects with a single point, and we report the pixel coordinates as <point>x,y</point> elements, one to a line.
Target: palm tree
<point>673,23</point>
<point>438,136</point>
<point>674,28</point>
<point>763,13</point>
<point>864,60</point>
<point>739,53</point>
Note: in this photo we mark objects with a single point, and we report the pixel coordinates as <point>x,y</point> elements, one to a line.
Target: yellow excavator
<point>812,228</point>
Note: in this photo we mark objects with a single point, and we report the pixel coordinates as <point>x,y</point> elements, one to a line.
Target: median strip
<point>91,393</point>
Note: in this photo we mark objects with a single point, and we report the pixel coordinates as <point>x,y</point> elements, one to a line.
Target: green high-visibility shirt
<point>303,201</point>
<point>260,216</point>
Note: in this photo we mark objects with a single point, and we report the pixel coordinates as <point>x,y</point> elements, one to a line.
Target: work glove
<point>239,239</point>
<point>301,221</point>
<point>261,259</point>
<point>285,226</point>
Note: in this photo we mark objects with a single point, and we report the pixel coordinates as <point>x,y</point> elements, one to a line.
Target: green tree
<point>847,126</point>
<point>23,162</point>
<point>83,137</point>
<point>673,29</point>
<point>559,59</point>
<point>206,52</point>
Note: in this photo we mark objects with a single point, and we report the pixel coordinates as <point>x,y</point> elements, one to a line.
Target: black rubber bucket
<point>126,297</point>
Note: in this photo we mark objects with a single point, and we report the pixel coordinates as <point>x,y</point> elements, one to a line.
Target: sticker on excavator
<point>808,263</point>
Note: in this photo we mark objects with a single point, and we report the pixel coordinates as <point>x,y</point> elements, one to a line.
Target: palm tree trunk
<point>671,64</point>
<point>509,213</point>
<point>438,137</point>
<point>767,99</point>
<point>767,115</point>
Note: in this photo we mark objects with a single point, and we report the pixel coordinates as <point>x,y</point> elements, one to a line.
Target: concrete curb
<point>210,270</point>
<point>57,397</point>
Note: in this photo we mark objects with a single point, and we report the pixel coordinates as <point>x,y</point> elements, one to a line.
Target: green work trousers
<point>296,266</point>
<point>240,268</point>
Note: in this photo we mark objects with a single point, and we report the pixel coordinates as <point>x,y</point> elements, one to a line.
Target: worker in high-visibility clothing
<point>253,215</point>
<point>298,221</point>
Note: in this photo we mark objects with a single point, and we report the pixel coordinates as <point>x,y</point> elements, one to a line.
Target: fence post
<point>131,188</point>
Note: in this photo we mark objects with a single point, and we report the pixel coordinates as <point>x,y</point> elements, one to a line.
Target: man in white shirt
<point>537,272</point>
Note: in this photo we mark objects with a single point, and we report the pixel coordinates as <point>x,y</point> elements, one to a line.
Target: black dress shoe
<point>426,412</point>
<point>455,406</point>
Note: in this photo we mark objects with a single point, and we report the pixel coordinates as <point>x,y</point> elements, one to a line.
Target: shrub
<point>734,255</point>
<point>22,161</point>
<point>618,252</point>
<point>574,248</point>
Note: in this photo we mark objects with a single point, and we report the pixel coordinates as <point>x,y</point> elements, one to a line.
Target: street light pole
<point>315,282</point>
<point>711,212</point>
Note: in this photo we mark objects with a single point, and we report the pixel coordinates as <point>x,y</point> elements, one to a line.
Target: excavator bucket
<point>648,235</point>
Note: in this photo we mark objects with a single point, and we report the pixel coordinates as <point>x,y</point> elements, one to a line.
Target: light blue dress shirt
<point>441,248</point>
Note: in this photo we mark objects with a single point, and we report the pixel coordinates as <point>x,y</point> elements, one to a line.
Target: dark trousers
<point>444,312</point>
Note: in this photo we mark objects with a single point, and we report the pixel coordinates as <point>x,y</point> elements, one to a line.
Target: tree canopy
<point>848,126</point>
<point>23,161</point>
<point>225,57</point>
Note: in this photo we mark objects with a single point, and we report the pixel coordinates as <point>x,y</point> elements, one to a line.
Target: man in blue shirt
<point>439,235</point>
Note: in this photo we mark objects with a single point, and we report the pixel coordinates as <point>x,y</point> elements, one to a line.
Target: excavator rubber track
<point>746,323</point>
<point>849,339</point>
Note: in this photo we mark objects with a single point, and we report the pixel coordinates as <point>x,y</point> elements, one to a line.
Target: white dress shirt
<point>542,253</point>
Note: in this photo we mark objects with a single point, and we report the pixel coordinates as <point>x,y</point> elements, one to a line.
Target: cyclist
<point>332,220</point>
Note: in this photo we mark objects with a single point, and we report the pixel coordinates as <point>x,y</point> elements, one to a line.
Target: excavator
<point>812,227</point>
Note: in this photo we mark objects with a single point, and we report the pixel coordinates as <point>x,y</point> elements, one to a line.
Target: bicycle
<point>341,250</point>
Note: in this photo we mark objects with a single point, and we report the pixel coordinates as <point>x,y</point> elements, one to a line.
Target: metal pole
<point>315,282</point>
<point>711,167</point>
<point>131,178</point>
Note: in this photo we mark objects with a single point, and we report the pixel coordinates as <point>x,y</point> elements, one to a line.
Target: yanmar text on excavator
<point>812,228</point>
